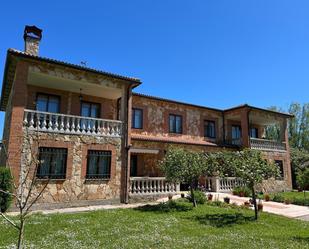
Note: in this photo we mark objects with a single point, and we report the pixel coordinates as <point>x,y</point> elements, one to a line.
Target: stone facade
<point>28,76</point>
<point>155,120</point>
<point>75,188</point>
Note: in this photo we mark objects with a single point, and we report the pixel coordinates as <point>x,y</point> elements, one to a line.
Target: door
<point>133,166</point>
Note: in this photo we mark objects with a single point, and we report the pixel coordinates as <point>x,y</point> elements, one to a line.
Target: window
<point>236,134</point>
<point>175,124</point>
<point>89,109</point>
<point>98,164</point>
<point>137,118</point>
<point>48,103</point>
<point>209,129</point>
<point>52,163</point>
<point>279,163</point>
<point>254,132</point>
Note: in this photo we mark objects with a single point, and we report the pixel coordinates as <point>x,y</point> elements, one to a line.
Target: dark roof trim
<point>175,102</point>
<point>259,109</point>
<point>62,63</point>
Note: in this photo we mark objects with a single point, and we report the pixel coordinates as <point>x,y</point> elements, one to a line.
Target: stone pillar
<point>244,116</point>
<point>19,102</point>
<point>215,184</point>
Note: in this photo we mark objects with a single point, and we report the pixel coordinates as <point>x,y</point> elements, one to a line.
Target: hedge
<point>6,184</point>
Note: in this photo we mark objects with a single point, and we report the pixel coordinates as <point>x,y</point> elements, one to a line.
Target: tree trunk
<point>21,234</point>
<point>192,195</point>
<point>254,202</point>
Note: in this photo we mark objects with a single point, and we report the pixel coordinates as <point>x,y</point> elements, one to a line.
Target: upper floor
<point>54,96</point>
<point>50,95</point>
<point>158,119</point>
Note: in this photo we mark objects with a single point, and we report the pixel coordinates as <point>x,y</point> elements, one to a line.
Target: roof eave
<point>74,66</point>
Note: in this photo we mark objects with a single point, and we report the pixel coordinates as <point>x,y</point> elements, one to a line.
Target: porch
<point>146,179</point>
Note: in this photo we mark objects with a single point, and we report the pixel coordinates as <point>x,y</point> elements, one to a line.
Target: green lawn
<point>159,227</point>
<point>294,194</point>
<point>295,197</point>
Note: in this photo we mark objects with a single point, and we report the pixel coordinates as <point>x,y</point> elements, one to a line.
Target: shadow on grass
<point>301,239</point>
<point>170,206</point>
<point>222,220</point>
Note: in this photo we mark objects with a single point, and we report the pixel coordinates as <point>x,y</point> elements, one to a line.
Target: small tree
<point>303,180</point>
<point>184,166</point>
<point>28,190</point>
<point>250,166</point>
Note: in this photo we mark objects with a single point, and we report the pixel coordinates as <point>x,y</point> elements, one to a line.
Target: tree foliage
<point>6,184</point>
<point>303,179</point>
<point>182,166</point>
<point>250,166</point>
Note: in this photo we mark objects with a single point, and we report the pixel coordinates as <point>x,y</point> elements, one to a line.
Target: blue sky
<point>216,53</point>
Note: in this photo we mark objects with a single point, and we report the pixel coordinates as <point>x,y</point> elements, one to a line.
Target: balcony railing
<point>69,124</point>
<point>263,144</point>
<point>151,186</point>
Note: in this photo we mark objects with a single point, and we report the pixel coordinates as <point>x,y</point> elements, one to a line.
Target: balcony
<point>267,145</point>
<point>69,124</point>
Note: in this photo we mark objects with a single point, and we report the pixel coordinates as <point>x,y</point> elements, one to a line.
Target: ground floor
<point>87,170</point>
<point>146,156</point>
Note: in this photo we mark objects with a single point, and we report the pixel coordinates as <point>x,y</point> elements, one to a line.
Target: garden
<point>167,225</point>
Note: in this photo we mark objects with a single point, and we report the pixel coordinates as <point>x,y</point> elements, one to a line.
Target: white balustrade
<point>152,186</point>
<point>264,144</point>
<point>69,124</point>
<point>225,184</point>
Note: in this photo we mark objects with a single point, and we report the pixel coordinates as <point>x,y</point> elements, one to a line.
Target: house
<point>97,142</point>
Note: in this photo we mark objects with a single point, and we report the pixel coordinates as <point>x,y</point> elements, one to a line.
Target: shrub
<point>242,191</point>
<point>266,197</point>
<point>199,196</point>
<point>287,201</point>
<point>6,184</point>
<point>302,202</point>
<point>278,198</point>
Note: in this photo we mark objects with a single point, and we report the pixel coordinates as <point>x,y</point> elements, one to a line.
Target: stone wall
<point>75,189</point>
<point>273,185</point>
<point>156,115</point>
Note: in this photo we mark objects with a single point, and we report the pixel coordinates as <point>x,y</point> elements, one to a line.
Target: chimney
<point>32,37</point>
